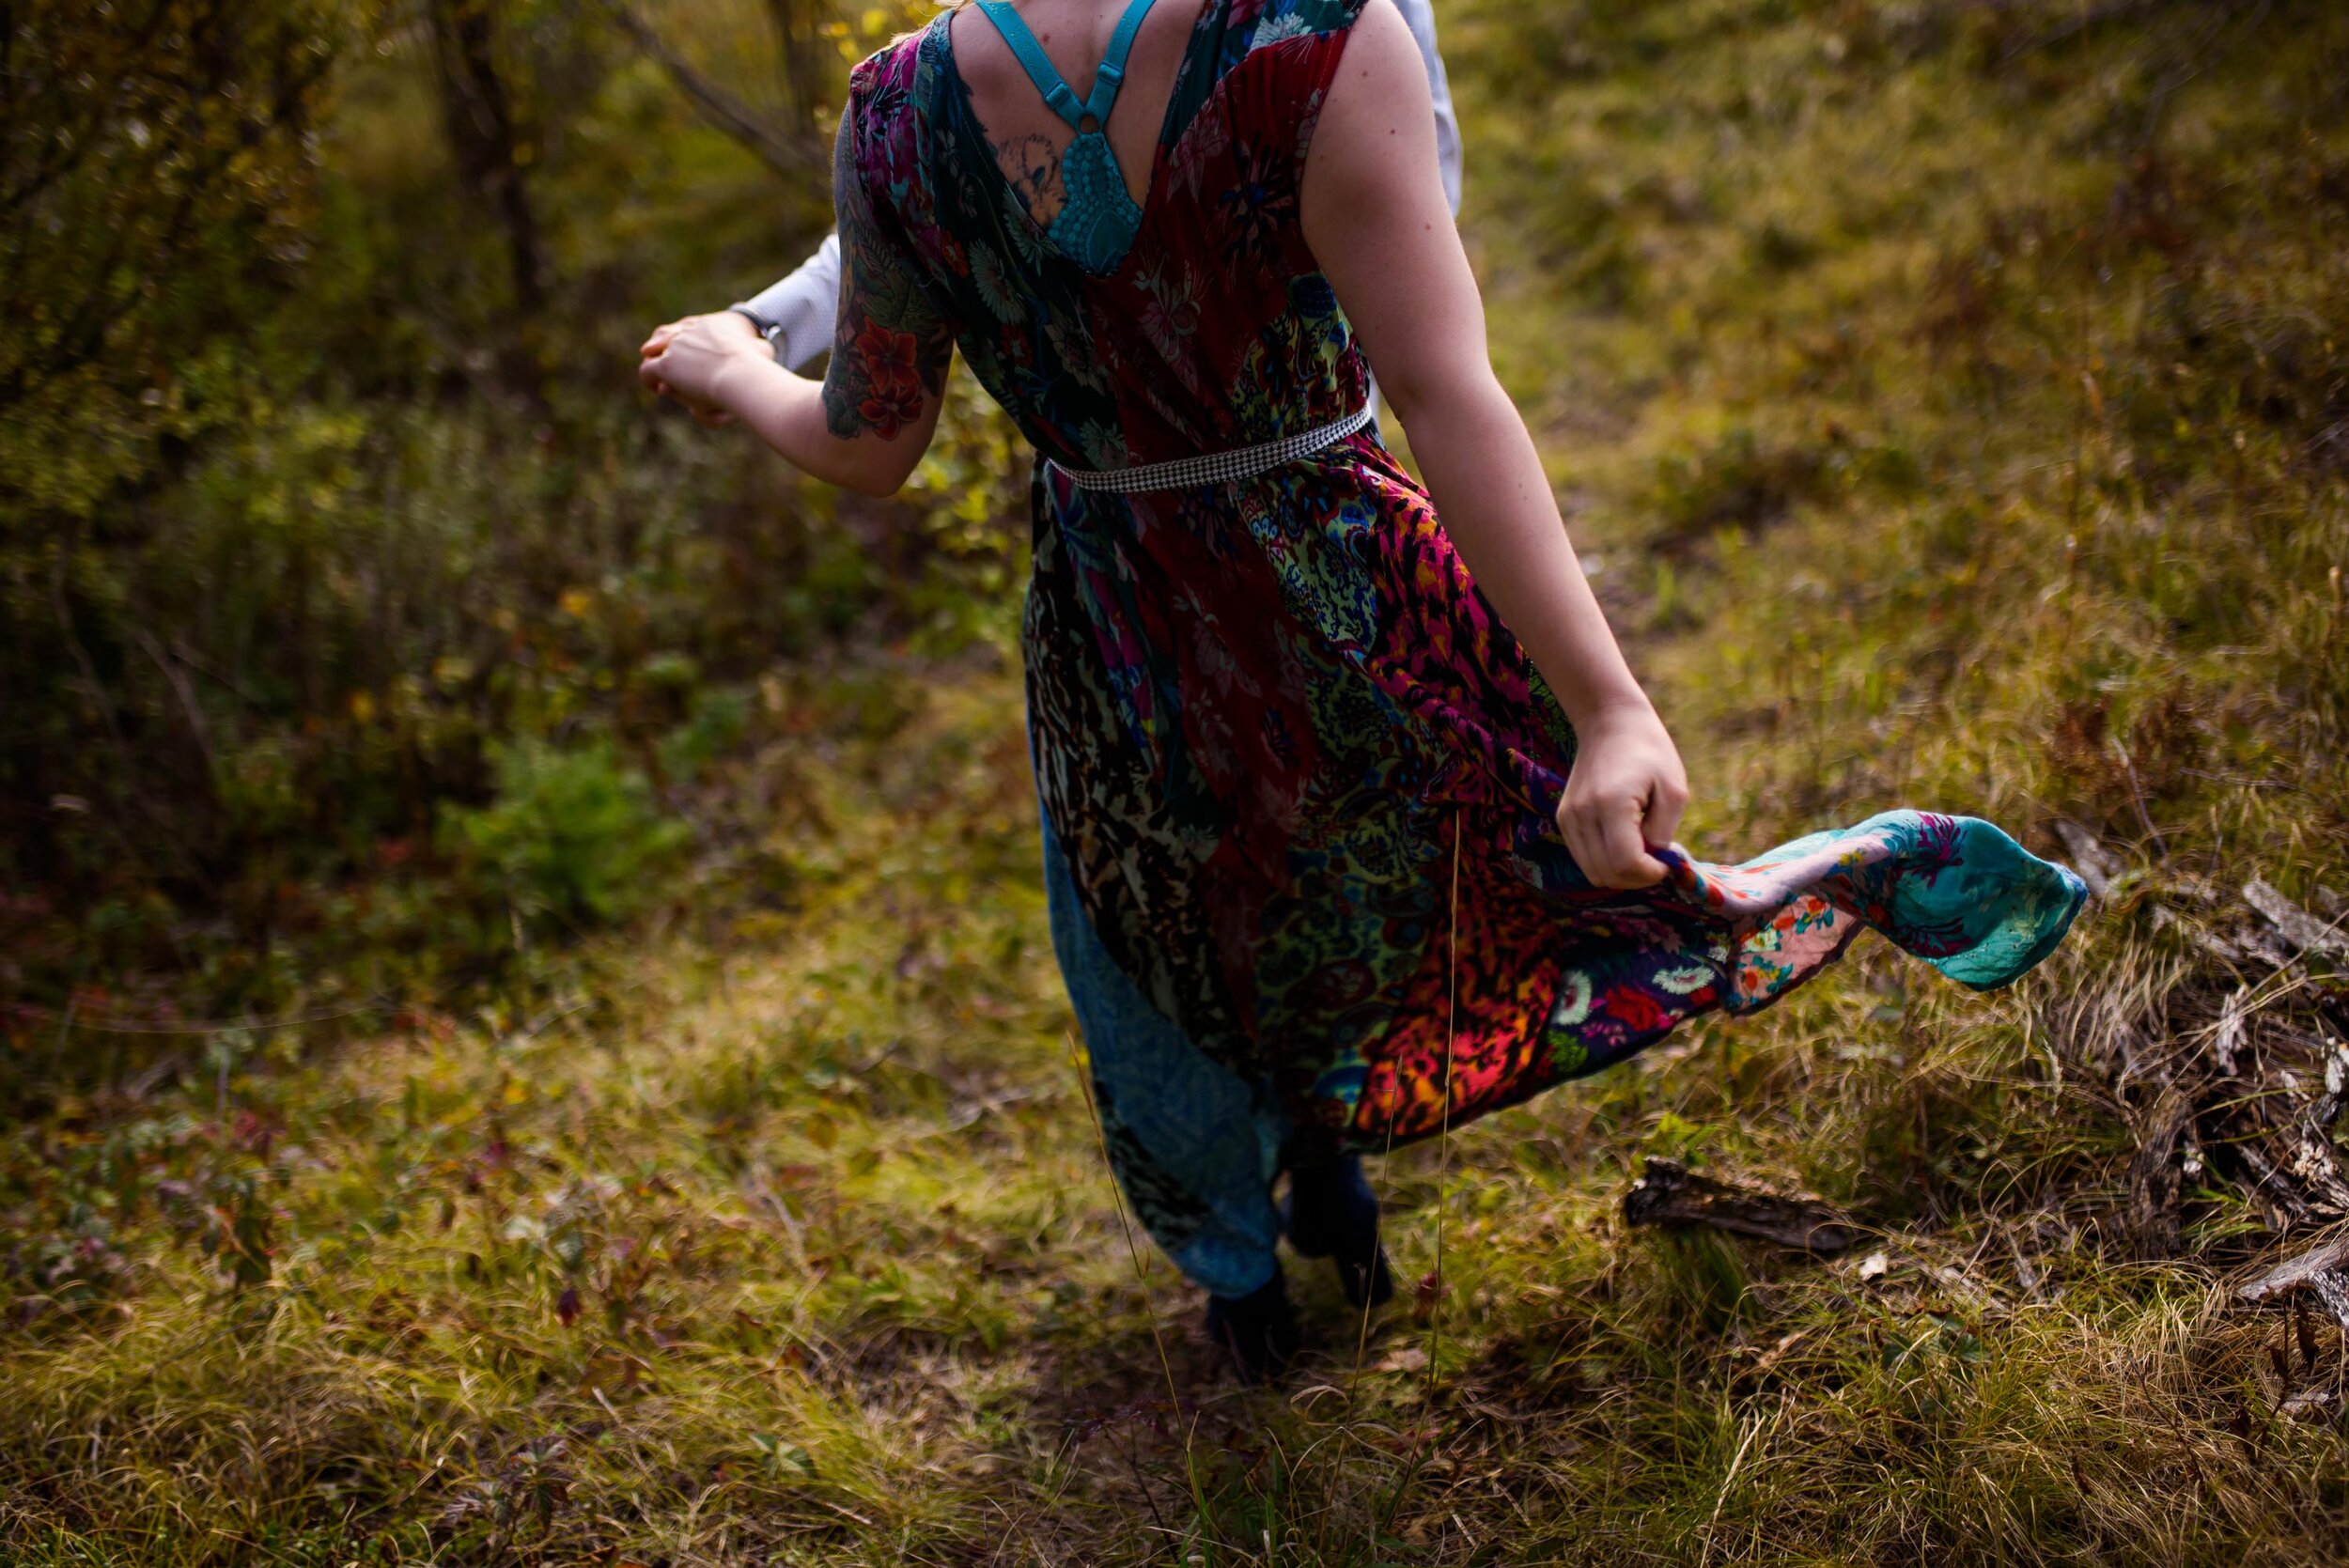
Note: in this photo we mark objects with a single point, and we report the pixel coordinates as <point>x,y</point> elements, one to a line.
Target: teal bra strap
<point>1056,92</point>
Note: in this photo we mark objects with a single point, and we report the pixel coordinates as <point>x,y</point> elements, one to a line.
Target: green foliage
<point>1949,396</point>
<point>154,198</point>
<point>326,517</point>
<point>571,836</point>
<point>721,720</point>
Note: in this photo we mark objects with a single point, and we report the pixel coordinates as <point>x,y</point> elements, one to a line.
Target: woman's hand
<point>689,360</point>
<point>721,370</point>
<point>1626,792</point>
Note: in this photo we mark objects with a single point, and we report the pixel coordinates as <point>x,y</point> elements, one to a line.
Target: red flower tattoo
<point>889,357</point>
<point>890,407</point>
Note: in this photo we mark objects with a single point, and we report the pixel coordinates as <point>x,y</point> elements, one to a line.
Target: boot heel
<point>1331,1213</point>
<point>1259,1330</point>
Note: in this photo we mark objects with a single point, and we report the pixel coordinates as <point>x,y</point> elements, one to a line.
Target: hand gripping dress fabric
<point>1268,715</point>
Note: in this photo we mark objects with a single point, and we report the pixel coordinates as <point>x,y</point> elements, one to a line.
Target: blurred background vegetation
<point>528,1028</point>
<point>364,623</point>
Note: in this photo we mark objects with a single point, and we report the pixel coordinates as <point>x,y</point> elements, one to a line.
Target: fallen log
<point>2297,927</point>
<point>2092,859</point>
<point>2323,1269</point>
<point>2155,1173</point>
<point>1669,1194</point>
<point>2274,1081</point>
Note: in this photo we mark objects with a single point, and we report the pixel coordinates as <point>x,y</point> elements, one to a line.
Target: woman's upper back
<point>1031,136</point>
<point>1213,328</point>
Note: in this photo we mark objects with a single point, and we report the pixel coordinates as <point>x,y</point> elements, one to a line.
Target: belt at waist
<point>1216,468</point>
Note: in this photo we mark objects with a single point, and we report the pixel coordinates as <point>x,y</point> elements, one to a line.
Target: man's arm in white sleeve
<point>796,314</point>
<point>1420,16</point>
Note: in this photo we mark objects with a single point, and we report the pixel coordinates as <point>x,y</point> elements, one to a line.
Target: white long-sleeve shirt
<point>801,306</point>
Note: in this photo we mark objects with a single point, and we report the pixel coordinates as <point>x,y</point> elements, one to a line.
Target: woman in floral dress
<point>1357,825</point>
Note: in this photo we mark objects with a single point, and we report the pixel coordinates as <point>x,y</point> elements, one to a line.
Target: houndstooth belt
<point>1216,468</point>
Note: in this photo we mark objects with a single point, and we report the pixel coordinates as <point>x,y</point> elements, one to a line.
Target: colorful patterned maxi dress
<point>1274,722</point>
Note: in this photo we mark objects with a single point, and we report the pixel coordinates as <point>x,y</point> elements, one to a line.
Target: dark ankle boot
<point>1258,1329</point>
<point>1331,1213</point>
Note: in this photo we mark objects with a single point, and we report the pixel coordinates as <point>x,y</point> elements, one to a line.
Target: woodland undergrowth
<point>1950,399</point>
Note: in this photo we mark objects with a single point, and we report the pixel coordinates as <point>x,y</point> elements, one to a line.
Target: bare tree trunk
<point>478,112</point>
<point>797,41</point>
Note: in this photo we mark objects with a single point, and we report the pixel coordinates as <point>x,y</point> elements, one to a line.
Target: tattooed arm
<point>866,425</point>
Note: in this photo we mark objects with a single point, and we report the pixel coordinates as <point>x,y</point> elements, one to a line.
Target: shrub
<point>573,836</point>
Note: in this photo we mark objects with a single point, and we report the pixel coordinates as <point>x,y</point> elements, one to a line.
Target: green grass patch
<point>1952,396</point>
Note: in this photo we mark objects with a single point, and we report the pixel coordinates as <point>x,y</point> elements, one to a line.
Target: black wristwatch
<point>770,331</point>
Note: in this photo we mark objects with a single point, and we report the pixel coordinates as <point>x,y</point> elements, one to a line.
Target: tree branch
<point>794,158</point>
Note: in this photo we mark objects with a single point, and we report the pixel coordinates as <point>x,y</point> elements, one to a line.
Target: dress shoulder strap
<point>1058,96</point>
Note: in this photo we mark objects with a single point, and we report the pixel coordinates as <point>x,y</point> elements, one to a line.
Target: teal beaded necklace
<point>1097,220</point>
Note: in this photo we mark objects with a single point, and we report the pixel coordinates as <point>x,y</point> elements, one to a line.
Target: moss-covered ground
<point>1952,398</point>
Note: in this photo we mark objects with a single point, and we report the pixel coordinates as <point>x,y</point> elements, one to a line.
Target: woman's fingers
<point>649,372</point>
<point>1625,792</point>
<point>1628,864</point>
<point>1666,802</point>
<point>1588,845</point>
<point>1605,840</point>
<point>660,339</point>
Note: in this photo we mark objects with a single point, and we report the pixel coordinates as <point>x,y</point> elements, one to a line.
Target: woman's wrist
<point>1595,695</point>
<point>1616,711</point>
<point>746,373</point>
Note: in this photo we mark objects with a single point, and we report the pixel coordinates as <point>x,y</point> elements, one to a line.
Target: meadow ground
<point>1952,400</point>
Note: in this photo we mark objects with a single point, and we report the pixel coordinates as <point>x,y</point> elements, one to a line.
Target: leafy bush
<point>156,183</point>
<point>721,716</point>
<point>573,836</point>
<point>312,495</point>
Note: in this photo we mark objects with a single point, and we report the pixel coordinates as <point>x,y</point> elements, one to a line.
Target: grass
<point>1952,396</point>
